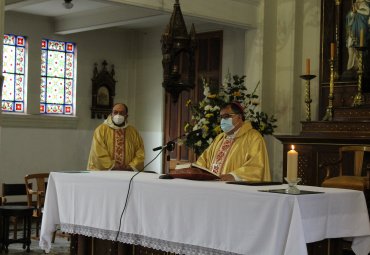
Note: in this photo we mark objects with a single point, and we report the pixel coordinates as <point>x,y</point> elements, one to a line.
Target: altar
<point>200,217</point>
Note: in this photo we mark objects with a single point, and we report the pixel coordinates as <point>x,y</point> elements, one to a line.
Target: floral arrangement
<point>205,114</point>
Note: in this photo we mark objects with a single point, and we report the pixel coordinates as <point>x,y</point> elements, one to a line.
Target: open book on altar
<point>193,171</point>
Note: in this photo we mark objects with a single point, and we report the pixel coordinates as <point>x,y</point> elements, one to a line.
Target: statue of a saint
<point>357,20</point>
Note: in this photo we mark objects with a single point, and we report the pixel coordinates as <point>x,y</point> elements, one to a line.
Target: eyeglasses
<point>227,115</point>
<point>119,112</point>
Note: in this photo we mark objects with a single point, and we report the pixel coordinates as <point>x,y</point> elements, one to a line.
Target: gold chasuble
<point>116,148</point>
<point>243,155</point>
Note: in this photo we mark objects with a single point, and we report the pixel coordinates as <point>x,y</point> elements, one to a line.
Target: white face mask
<point>118,119</point>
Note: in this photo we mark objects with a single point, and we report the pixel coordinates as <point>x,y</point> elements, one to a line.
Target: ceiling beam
<point>238,13</point>
<point>106,17</point>
<point>14,4</point>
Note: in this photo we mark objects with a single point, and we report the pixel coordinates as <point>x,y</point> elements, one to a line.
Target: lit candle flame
<point>292,147</point>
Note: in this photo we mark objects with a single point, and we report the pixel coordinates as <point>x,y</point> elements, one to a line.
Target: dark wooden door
<point>208,58</point>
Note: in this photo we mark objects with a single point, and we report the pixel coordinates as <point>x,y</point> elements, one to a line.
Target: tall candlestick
<point>332,51</point>
<point>308,66</point>
<point>292,166</point>
<point>362,37</point>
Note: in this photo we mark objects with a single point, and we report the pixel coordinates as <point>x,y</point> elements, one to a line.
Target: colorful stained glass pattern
<point>69,92</point>
<point>43,90</point>
<point>55,91</point>
<point>43,62</point>
<point>8,87</point>
<point>8,59</point>
<point>14,64</point>
<point>56,45</point>
<point>57,77</point>
<point>69,65</point>
<point>56,64</point>
<point>19,66</point>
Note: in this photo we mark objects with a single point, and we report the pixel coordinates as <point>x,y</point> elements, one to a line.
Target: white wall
<point>291,33</point>
<point>27,150</point>
<point>149,95</point>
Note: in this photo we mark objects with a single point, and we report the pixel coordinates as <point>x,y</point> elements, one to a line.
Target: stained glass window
<point>57,77</point>
<point>14,64</point>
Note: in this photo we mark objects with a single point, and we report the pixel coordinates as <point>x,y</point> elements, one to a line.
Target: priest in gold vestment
<point>116,145</point>
<point>239,153</point>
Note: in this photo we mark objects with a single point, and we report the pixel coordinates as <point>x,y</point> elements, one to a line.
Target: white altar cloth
<point>201,217</point>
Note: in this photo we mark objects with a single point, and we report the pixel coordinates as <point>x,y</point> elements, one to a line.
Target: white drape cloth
<point>195,217</point>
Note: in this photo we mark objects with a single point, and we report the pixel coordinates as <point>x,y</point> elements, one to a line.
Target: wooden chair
<point>14,190</point>
<point>19,211</point>
<point>359,179</point>
<point>36,195</point>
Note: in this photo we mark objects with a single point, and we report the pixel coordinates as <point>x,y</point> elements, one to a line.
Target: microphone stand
<point>170,146</point>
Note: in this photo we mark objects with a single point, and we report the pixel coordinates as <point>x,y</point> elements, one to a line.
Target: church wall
<point>291,33</point>
<point>35,149</point>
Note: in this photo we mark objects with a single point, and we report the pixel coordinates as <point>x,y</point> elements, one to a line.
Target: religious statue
<point>357,22</point>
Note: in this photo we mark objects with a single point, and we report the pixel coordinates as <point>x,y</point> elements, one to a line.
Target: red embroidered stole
<point>219,161</point>
<point>119,148</point>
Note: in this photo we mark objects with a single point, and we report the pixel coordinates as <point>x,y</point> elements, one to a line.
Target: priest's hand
<point>227,177</point>
<point>122,168</point>
<point>127,168</point>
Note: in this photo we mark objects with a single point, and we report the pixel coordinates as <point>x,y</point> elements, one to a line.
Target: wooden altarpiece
<point>319,140</point>
<point>103,91</point>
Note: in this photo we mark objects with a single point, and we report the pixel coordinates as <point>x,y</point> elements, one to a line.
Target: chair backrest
<point>14,189</point>
<point>358,157</point>
<point>39,181</point>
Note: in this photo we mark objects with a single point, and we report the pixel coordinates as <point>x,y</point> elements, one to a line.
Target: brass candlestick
<point>359,98</point>
<point>329,110</point>
<point>308,100</point>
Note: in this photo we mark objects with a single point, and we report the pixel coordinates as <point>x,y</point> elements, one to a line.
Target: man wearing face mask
<point>116,145</point>
<point>239,153</point>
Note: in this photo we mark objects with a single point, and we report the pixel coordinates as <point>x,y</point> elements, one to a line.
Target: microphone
<point>170,146</point>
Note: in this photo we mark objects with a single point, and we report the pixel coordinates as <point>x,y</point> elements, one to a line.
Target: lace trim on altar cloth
<point>135,239</point>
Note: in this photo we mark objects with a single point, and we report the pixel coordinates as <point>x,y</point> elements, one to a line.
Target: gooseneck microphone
<point>170,146</point>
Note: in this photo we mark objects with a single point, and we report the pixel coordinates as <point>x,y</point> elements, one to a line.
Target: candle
<point>308,66</point>
<point>332,51</point>
<point>292,166</point>
<point>362,37</point>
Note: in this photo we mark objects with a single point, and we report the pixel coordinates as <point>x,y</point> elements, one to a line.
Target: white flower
<point>215,108</point>
<point>206,91</point>
<point>199,143</point>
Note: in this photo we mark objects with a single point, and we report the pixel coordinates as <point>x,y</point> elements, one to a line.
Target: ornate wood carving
<point>334,16</point>
<point>178,50</point>
<point>103,91</point>
<point>314,151</point>
<point>336,128</point>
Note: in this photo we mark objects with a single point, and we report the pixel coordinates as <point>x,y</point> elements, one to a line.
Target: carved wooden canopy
<point>178,49</point>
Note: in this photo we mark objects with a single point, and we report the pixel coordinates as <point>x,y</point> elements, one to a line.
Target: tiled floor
<point>60,247</point>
